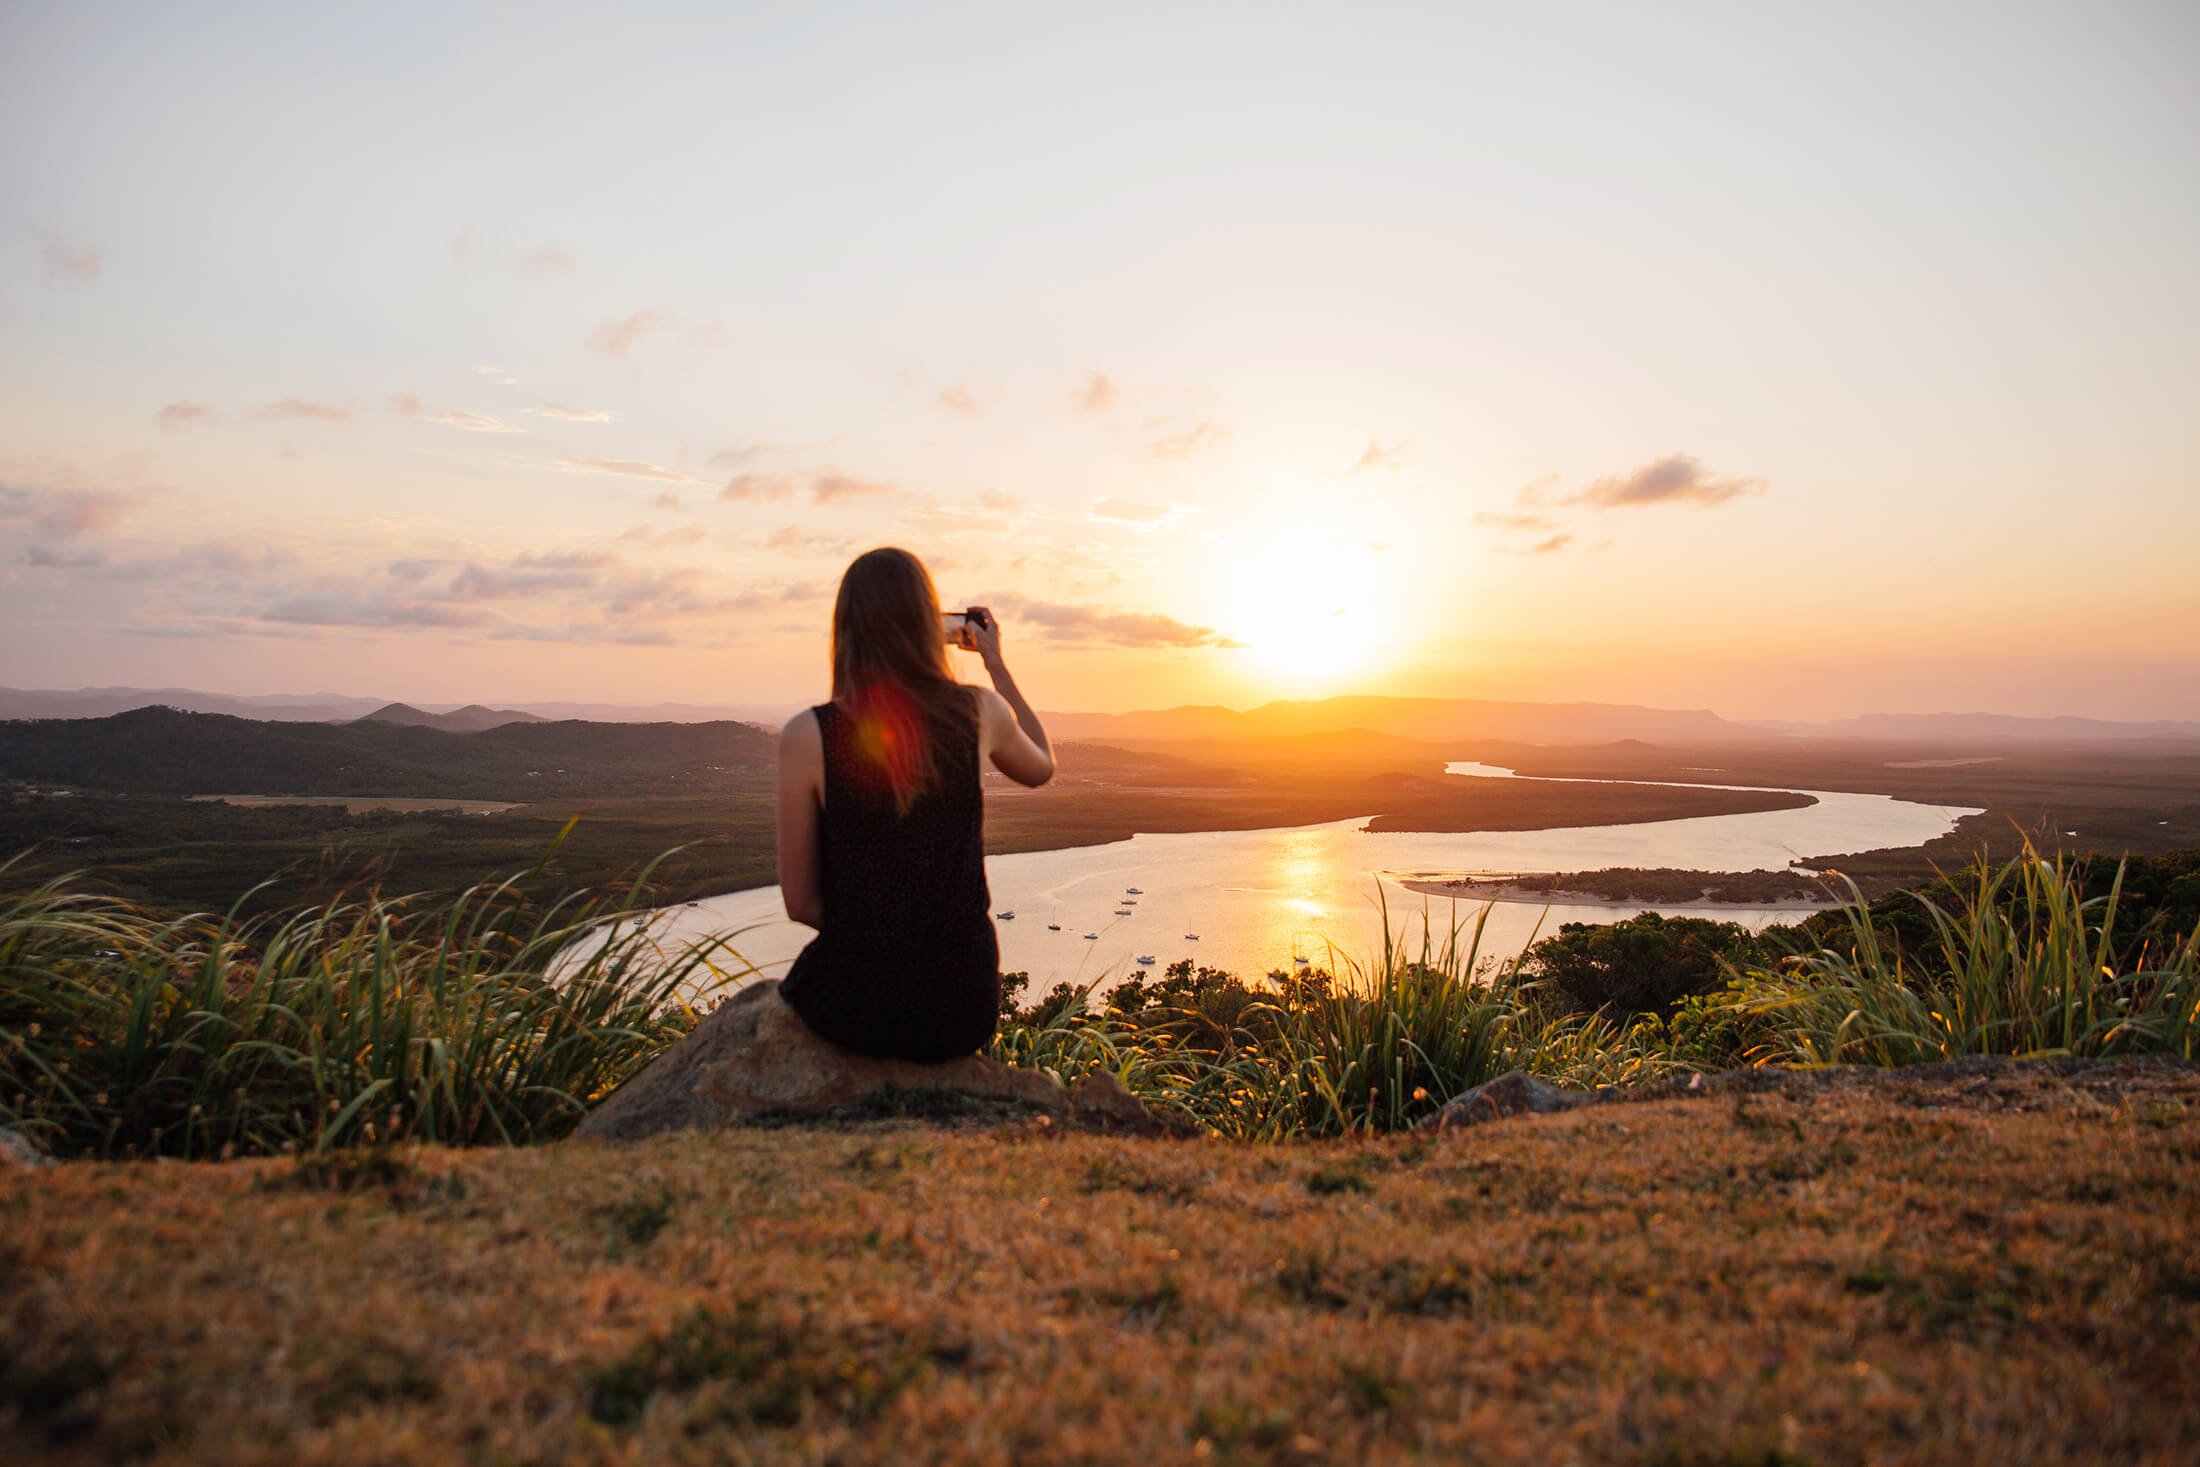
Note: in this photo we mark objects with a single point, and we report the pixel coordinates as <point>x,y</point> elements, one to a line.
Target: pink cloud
<point>406,405</point>
<point>1498,520</point>
<point>293,407</point>
<point>1098,394</point>
<point>1094,626</point>
<point>619,338</point>
<point>1185,443</point>
<point>1675,479</point>
<point>1377,457</point>
<point>959,399</point>
<point>178,416</point>
<point>831,487</point>
<point>78,263</point>
<point>625,467</point>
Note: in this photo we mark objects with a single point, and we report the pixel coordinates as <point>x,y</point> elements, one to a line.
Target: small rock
<point>1511,1094</point>
<point>753,1056</point>
<point>19,1153</point>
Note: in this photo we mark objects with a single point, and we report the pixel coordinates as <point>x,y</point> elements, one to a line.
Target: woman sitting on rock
<point>881,821</point>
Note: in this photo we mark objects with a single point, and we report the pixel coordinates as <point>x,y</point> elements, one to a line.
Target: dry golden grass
<point>1848,1275</point>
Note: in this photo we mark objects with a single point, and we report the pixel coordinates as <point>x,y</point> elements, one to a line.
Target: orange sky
<point>1785,366</point>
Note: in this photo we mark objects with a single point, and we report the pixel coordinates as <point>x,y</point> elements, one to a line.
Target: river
<point>1257,899</point>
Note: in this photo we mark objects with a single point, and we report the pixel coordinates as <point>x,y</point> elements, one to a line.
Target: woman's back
<point>905,962</point>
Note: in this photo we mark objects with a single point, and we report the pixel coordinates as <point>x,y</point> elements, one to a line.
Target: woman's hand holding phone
<point>984,636</point>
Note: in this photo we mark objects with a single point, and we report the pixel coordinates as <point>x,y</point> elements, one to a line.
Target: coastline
<point>1515,889</point>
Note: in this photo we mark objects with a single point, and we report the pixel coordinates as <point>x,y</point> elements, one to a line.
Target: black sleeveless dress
<point>906,965</point>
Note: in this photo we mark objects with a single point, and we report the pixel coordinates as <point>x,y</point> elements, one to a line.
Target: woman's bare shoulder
<point>801,731</point>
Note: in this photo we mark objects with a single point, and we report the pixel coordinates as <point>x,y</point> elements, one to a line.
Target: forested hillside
<point>165,751</point>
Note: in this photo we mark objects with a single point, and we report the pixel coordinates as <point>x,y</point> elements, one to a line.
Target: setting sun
<point>1313,607</point>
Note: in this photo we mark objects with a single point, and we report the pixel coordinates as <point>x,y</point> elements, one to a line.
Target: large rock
<point>1514,1093</point>
<point>753,1056</point>
<point>19,1153</point>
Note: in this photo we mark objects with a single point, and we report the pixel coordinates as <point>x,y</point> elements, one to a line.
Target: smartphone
<point>957,625</point>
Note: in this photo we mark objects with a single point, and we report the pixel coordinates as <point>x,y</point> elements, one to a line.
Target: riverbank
<point>1878,1272</point>
<point>1632,889</point>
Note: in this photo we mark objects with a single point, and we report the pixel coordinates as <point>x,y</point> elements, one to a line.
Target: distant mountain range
<point>1984,728</point>
<point>1447,720</point>
<point>473,718</point>
<point>342,708</point>
<point>166,752</point>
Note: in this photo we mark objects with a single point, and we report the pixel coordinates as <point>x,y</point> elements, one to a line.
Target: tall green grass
<point>490,1018</point>
<point>1376,1049</point>
<point>481,1019</point>
<point>2020,962</point>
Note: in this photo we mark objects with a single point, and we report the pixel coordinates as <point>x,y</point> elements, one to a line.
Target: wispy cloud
<point>935,524</point>
<point>1098,394</point>
<point>527,575</point>
<point>1675,479</point>
<point>757,488</point>
<point>626,468</point>
<point>1552,545</point>
<point>831,487</point>
<point>299,408</point>
<point>799,540</point>
<point>66,260</point>
<point>1131,511</point>
<point>827,486</point>
<point>569,415</point>
<point>1377,457</point>
<point>1092,626</point>
<point>622,337</point>
<point>735,455</point>
<point>619,338</point>
<point>178,416</point>
<point>651,535</point>
<point>959,398</point>
<point>1491,519</point>
<point>79,512</point>
<point>1184,444</point>
<point>469,251</point>
<point>406,405</point>
<point>45,557</point>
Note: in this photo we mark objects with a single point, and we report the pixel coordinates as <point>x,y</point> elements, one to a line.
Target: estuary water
<point>1258,899</point>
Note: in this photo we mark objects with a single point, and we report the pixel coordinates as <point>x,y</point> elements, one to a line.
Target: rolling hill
<point>167,751</point>
<point>473,718</point>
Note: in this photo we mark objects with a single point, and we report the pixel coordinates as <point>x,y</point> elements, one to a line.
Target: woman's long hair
<point>891,674</point>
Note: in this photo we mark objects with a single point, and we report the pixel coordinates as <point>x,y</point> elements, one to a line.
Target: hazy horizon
<point>777,709</point>
<point>1793,366</point>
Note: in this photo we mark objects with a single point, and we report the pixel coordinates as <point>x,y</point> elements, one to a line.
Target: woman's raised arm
<point>1012,735</point>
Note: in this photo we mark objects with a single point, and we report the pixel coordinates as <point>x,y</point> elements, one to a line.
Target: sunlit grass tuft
<point>486,1018</point>
<point>2020,963</point>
